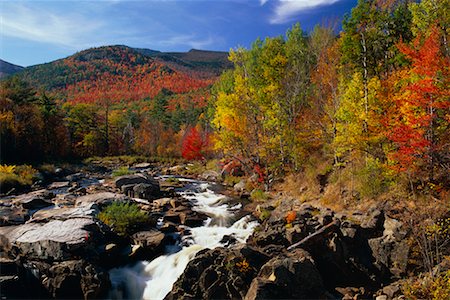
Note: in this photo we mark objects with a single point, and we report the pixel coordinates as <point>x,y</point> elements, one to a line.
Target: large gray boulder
<point>391,250</point>
<point>53,241</point>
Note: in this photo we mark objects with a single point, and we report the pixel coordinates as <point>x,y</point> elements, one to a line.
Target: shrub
<point>231,180</point>
<point>16,177</point>
<point>7,169</point>
<point>123,217</point>
<point>121,171</point>
<point>265,214</point>
<point>243,266</point>
<point>428,287</point>
<point>258,195</point>
<point>26,174</point>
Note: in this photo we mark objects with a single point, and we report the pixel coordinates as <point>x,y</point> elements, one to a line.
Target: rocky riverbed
<point>196,244</point>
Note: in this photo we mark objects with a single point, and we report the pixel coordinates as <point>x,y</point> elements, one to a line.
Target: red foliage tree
<point>195,144</point>
<point>418,119</point>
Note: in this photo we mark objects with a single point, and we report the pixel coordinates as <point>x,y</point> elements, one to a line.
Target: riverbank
<point>56,243</point>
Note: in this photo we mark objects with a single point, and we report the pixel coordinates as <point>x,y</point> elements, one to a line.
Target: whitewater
<point>153,280</point>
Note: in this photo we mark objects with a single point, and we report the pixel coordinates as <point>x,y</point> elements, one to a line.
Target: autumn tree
<point>419,119</point>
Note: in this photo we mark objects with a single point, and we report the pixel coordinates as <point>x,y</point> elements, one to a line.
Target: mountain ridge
<point>7,68</point>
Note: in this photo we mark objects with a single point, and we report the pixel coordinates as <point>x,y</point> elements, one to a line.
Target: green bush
<point>121,171</point>
<point>231,180</point>
<point>258,195</point>
<point>123,217</point>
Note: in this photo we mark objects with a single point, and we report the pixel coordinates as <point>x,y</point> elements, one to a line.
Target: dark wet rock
<point>13,216</point>
<point>219,274</point>
<point>168,227</point>
<point>194,220</point>
<point>16,282</point>
<point>101,199</point>
<point>152,242</point>
<point>75,177</point>
<point>228,240</point>
<point>147,191</point>
<point>290,276</point>
<point>71,279</point>
<point>134,179</point>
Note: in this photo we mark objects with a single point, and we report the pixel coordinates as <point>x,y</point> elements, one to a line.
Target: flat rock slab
<point>66,213</point>
<point>104,198</point>
<point>70,231</point>
<point>53,241</point>
<point>142,166</point>
<point>59,185</point>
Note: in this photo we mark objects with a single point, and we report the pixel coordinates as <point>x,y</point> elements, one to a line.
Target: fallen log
<point>319,234</point>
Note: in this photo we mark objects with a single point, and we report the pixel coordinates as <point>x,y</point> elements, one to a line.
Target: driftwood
<point>319,234</point>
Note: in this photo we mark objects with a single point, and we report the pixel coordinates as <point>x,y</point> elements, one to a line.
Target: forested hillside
<point>107,101</point>
<point>370,106</point>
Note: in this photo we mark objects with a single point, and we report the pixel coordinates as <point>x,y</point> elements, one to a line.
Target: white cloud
<point>263,2</point>
<point>34,24</point>
<point>285,10</point>
<point>190,40</point>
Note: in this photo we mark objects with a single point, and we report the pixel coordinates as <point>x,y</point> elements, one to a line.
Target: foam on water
<point>154,280</point>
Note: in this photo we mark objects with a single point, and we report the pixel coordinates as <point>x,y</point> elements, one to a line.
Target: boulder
<point>34,200</point>
<point>101,199</point>
<point>290,276</point>
<point>74,279</point>
<point>210,175</point>
<point>55,240</point>
<point>134,179</point>
<point>147,191</point>
<point>219,273</point>
<point>391,250</point>
<point>13,216</point>
<point>152,242</point>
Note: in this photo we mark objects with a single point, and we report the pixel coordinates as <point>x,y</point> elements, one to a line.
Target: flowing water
<point>154,279</point>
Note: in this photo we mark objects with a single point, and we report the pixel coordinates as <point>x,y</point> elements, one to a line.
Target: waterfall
<point>154,280</point>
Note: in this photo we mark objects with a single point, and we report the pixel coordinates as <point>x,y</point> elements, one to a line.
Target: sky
<point>34,32</point>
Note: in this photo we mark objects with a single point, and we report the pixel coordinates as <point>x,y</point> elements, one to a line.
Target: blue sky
<point>34,32</point>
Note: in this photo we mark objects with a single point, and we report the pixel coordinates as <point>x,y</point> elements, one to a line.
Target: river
<point>154,279</point>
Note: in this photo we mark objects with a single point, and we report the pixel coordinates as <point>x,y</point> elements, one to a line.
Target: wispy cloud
<point>190,40</point>
<point>36,24</point>
<point>285,10</point>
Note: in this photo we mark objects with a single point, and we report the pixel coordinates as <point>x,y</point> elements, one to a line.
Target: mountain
<point>7,68</point>
<point>123,73</point>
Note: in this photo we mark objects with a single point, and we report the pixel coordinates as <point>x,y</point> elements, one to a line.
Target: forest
<point>353,118</point>
<point>371,104</point>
